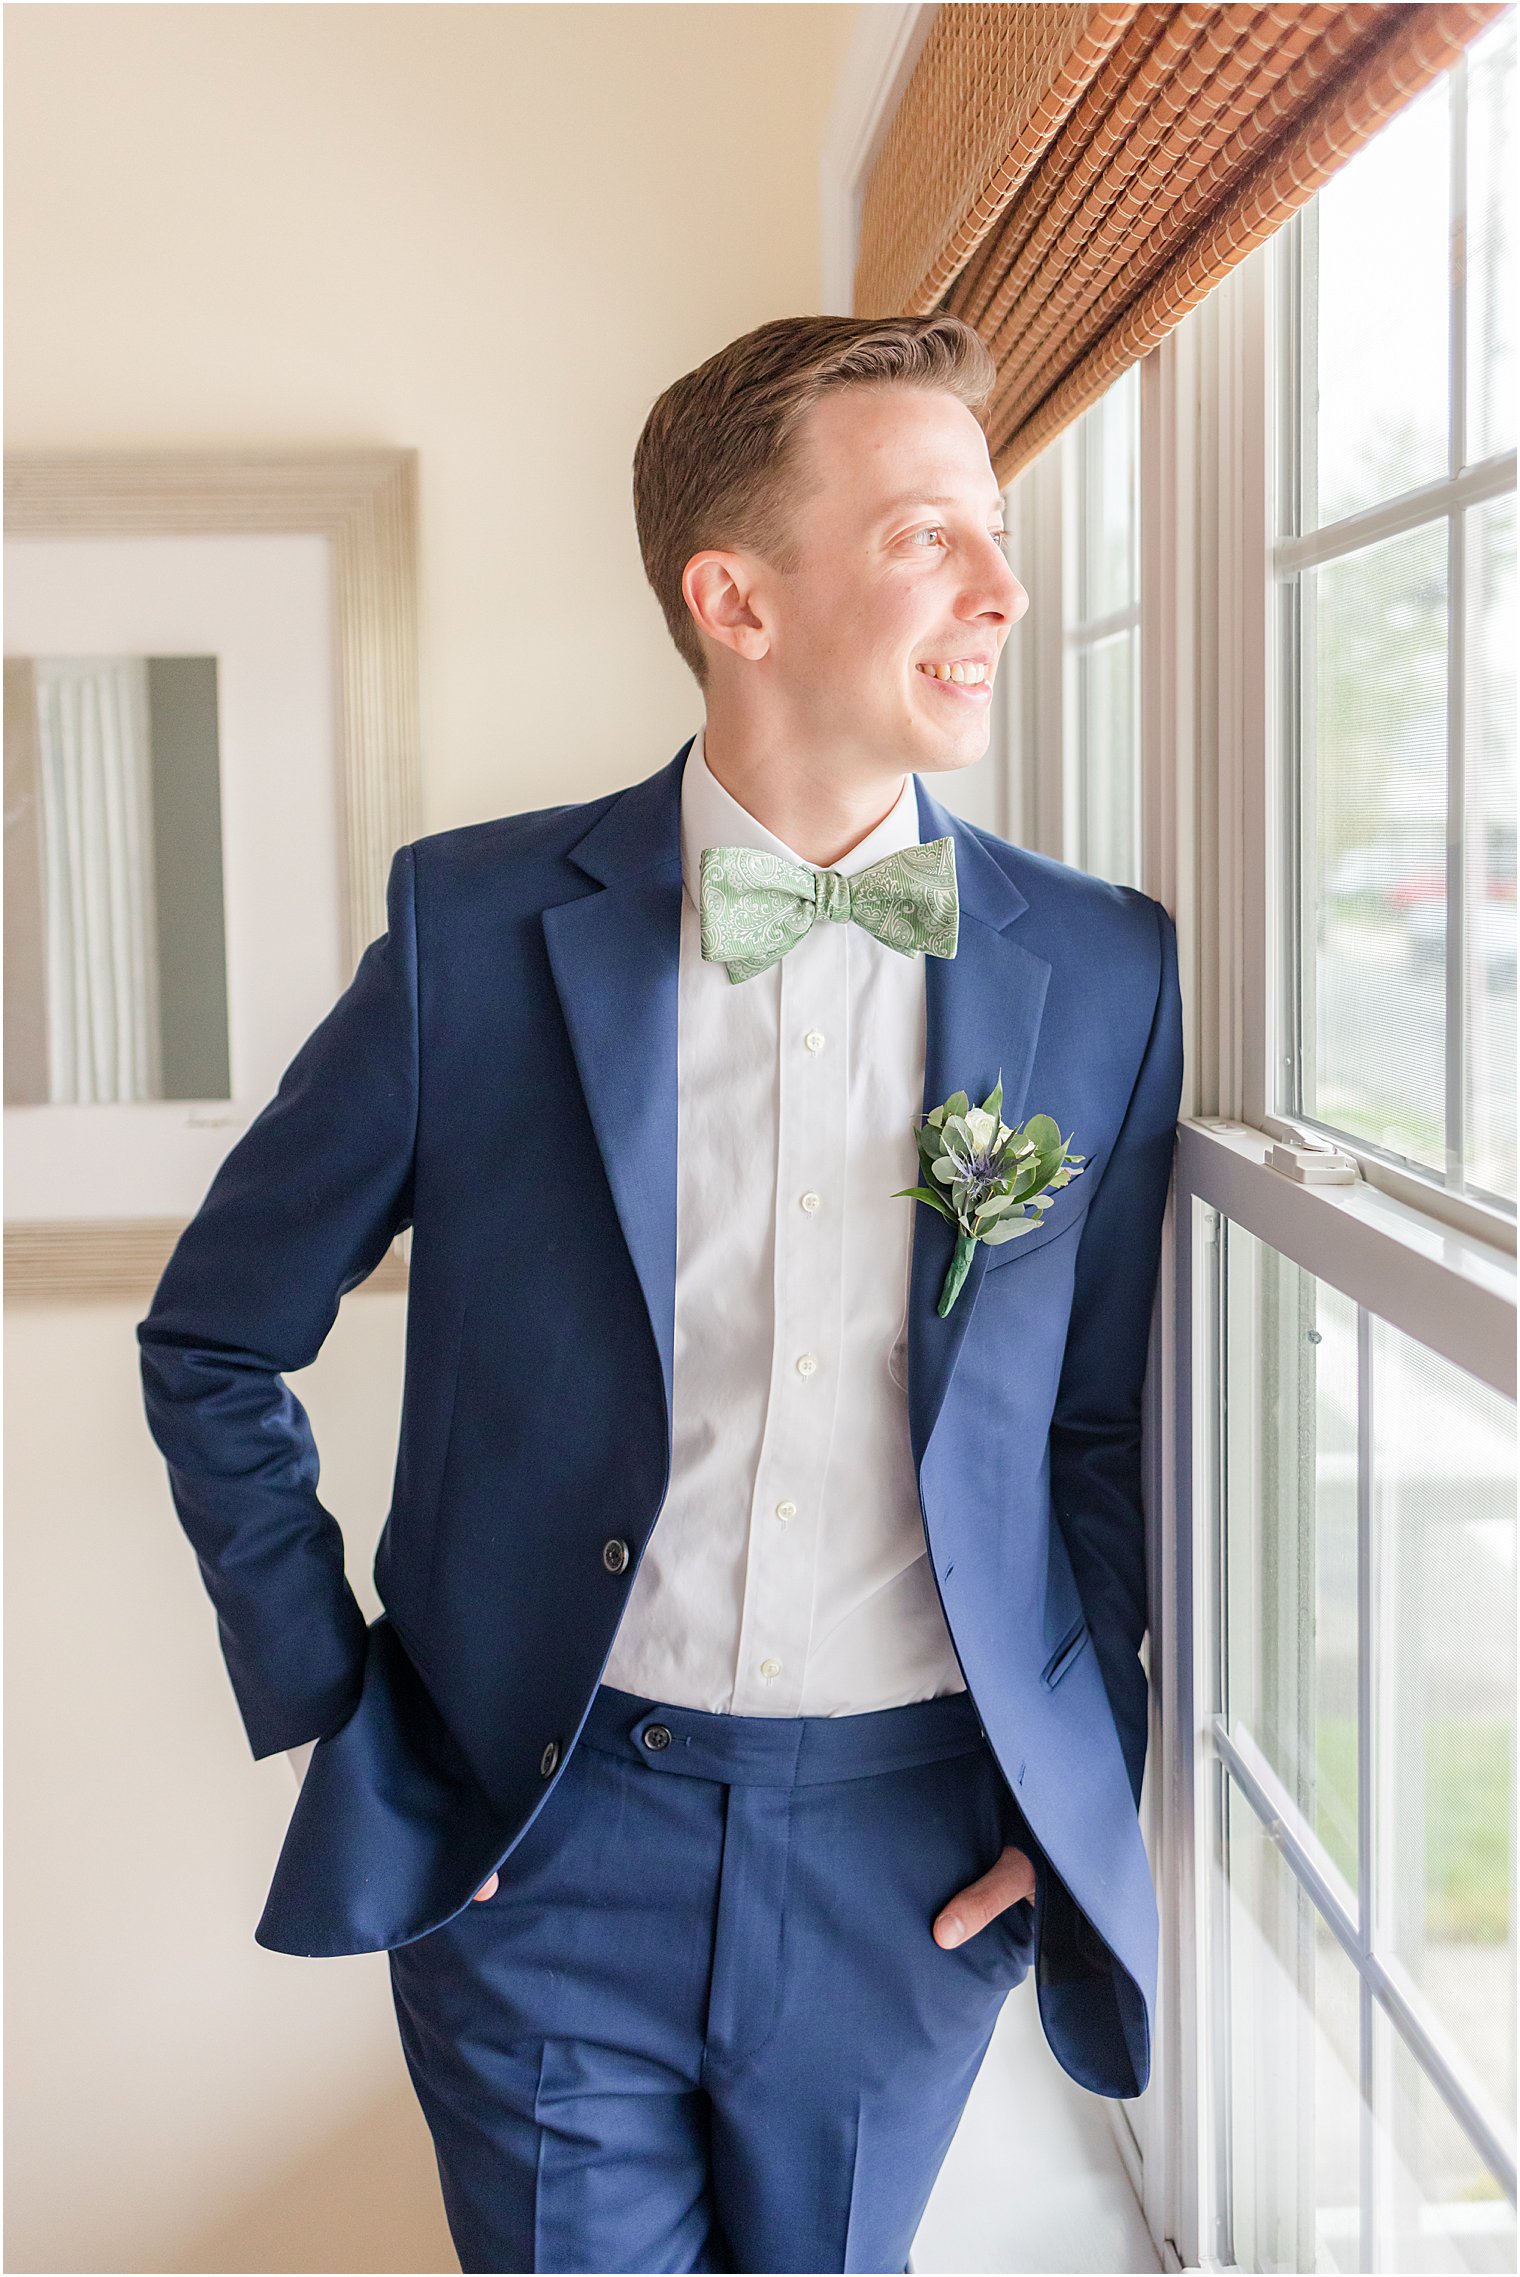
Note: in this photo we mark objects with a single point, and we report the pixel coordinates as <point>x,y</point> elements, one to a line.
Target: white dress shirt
<point>787,1574</point>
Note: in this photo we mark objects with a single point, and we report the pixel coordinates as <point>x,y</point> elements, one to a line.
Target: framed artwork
<point>211,753</point>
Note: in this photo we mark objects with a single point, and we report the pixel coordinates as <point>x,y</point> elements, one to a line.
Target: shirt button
<point>811,1201</point>
<point>806,1364</point>
<point>770,1668</point>
<point>814,1039</point>
<point>786,1510</point>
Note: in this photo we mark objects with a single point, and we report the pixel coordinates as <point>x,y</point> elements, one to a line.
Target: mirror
<point>115,939</point>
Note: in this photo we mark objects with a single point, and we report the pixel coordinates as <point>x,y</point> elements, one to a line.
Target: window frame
<point>1437,1264</point>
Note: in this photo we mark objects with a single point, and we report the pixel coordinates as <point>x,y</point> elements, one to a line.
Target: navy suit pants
<point>703,2024</point>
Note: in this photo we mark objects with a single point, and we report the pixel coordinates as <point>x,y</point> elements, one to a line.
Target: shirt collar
<point>712,816</point>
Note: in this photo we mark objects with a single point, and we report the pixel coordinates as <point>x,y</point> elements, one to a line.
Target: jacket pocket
<point>1066,1652</point>
<point>1025,1244</point>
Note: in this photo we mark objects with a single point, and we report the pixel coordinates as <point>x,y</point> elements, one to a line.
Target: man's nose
<point>1000,594</point>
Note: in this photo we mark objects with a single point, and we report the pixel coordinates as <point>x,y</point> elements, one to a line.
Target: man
<point>757,1693</point>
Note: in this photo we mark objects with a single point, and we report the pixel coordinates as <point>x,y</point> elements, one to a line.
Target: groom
<point>756,1699</point>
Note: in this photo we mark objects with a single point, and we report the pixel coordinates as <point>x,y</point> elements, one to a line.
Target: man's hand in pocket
<point>983,1900</point>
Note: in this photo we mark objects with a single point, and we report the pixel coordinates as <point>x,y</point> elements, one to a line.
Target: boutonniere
<point>991,1183</point>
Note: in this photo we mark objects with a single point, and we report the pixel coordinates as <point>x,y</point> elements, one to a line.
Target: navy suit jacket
<point>500,1075</point>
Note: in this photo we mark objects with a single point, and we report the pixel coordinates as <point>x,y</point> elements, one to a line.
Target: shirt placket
<point>786,1512</point>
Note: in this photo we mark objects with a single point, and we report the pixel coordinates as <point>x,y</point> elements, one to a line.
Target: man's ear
<point>718,590</point>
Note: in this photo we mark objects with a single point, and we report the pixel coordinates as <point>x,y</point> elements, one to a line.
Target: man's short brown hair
<point>711,466</point>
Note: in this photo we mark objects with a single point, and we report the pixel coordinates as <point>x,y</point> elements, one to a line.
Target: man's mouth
<point>965,680</point>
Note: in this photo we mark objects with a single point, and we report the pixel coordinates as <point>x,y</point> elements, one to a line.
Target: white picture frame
<point>298,572</point>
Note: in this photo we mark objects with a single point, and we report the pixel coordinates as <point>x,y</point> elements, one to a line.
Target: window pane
<point>1373,1658</point>
<point>1101,620</point>
<point>1373,851</point>
<point>1382,318</point>
<point>1106,713</point>
<point>1295,2099</point>
<point>1443,1482</point>
<point>1490,828</point>
<point>1491,376</point>
<point>1290,1484</point>
<point>1301,2134</point>
<point>1108,462</point>
<point>1440,2208</point>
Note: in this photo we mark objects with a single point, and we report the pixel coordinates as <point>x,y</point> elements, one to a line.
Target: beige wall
<point>492,233</point>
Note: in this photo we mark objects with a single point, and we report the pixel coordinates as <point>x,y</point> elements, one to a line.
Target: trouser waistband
<point>779,1751</point>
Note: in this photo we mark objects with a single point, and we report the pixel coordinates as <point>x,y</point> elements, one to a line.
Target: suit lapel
<point>615,958</point>
<point>982,1013</point>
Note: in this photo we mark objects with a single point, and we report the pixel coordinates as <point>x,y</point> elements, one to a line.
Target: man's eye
<point>937,530</point>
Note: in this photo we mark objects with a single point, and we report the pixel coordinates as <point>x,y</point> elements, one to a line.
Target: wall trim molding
<point>887,41</point>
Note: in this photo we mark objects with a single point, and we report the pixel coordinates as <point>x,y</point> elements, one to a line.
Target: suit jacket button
<point>614,1555</point>
<point>656,1737</point>
<point>549,1758</point>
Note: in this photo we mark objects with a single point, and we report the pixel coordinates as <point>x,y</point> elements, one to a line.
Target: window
<point>1363,1719</point>
<point>1102,619</point>
<point>1395,592</point>
<point>1076,519</point>
<point>1266,676</point>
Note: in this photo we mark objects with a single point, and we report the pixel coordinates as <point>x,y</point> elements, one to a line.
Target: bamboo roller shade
<point>1072,180</point>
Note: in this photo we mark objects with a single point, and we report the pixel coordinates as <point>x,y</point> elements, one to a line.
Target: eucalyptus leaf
<point>925,1194</point>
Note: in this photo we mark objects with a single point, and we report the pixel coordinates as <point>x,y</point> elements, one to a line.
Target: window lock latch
<point>1308,1158</point>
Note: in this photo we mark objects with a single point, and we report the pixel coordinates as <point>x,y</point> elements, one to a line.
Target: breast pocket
<point>1057,1224</point>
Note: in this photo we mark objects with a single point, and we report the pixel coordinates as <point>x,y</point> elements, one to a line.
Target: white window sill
<point>1440,1284</point>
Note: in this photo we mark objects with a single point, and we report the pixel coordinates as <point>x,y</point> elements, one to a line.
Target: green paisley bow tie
<point>756,905</point>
